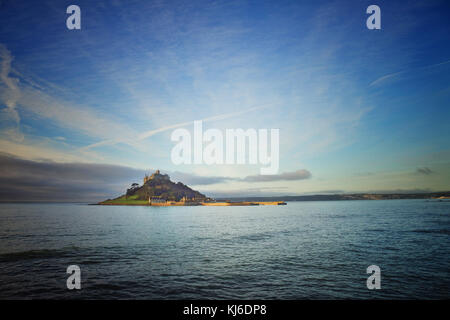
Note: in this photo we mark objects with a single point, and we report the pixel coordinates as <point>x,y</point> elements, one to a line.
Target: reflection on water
<point>305,250</point>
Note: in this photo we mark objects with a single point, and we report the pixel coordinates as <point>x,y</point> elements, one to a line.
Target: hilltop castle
<point>156,176</point>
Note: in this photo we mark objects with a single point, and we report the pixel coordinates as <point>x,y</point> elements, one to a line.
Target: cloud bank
<point>25,180</point>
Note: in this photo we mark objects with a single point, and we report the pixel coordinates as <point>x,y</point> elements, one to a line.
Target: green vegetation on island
<point>125,201</point>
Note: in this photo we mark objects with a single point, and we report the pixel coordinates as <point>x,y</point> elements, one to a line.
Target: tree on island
<point>134,187</point>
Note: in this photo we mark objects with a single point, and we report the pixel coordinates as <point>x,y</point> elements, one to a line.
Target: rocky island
<point>159,190</point>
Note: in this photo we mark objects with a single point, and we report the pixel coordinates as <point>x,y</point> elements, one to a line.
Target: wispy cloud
<point>285,176</point>
<point>424,171</point>
<point>384,78</point>
<point>34,96</point>
<point>197,180</point>
<point>82,119</point>
<point>44,149</point>
<point>147,134</point>
<point>207,180</point>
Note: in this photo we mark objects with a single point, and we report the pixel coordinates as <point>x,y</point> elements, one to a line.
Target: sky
<point>85,113</point>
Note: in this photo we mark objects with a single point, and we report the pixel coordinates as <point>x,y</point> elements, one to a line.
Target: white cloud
<point>9,95</point>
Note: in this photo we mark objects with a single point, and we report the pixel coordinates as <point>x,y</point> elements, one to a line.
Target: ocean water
<point>305,250</point>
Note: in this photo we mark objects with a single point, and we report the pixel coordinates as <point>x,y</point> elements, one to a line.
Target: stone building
<point>156,175</point>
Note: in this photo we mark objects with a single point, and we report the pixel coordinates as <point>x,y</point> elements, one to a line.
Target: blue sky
<point>360,110</point>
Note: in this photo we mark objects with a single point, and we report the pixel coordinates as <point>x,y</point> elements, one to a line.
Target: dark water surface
<point>305,250</point>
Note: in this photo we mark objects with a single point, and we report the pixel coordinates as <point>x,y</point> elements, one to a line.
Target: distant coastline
<point>442,195</point>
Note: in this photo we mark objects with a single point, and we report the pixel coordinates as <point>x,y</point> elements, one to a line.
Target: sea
<point>304,250</point>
